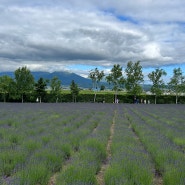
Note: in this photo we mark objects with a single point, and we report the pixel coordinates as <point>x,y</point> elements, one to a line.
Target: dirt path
<point>158,180</point>
<point>53,179</point>
<point>100,175</point>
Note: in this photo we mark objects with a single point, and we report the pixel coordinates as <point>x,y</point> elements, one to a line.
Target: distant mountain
<point>65,77</point>
<point>10,74</point>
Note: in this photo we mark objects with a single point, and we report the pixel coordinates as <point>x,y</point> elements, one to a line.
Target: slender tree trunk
<point>22,99</point>
<point>74,98</point>
<point>4,97</point>
<point>155,99</point>
<point>116,93</point>
<point>176,99</point>
<point>95,97</point>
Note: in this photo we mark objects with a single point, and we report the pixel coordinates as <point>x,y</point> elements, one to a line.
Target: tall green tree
<point>92,76</point>
<point>40,89</point>
<point>96,76</point>
<point>134,78</point>
<point>56,87</point>
<point>74,90</point>
<point>7,86</point>
<point>24,82</point>
<point>177,83</point>
<point>158,83</point>
<point>116,79</point>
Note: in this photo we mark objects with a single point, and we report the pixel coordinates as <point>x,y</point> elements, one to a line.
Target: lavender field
<point>92,144</point>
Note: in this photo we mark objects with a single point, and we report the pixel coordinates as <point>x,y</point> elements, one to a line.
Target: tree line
<point>24,84</point>
<point>130,80</point>
<point>133,78</point>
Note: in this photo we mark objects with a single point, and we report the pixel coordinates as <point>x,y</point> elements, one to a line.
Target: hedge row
<point>100,98</point>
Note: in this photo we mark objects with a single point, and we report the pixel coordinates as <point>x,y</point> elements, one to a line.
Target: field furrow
<point>157,176</point>
<point>130,164</point>
<point>169,161</point>
<point>105,164</point>
<point>172,128</point>
<point>92,144</point>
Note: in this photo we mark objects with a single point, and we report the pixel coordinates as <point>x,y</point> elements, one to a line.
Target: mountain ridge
<point>65,77</point>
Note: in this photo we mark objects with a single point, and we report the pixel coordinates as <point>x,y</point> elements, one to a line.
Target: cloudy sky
<point>79,35</point>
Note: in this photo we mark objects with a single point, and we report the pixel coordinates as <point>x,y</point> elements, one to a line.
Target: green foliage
<point>76,175</point>
<point>31,145</point>
<point>55,88</point>
<point>105,96</point>
<point>9,160</point>
<point>24,81</point>
<point>87,161</point>
<point>134,78</point>
<point>96,76</point>
<point>158,83</point>
<point>35,174</point>
<point>180,141</point>
<point>35,146</point>
<point>7,86</point>
<point>40,89</point>
<point>130,162</point>
<point>74,90</point>
<point>115,176</point>
<point>52,159</point>
<point>96,148</point>
<point>174,176</point>
<point>154,134</point>
<point>22,88</point>
<point>177,83</point>
<point>115,78</point>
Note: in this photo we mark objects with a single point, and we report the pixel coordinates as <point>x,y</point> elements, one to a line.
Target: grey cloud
<point>85,34</point>
<point>138,9</point>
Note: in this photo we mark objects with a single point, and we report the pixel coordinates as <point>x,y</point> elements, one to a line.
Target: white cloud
<point>53,34</point>
<point>152,52</point>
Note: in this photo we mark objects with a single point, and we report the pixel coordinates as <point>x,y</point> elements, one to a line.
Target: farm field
<point>92,144</point>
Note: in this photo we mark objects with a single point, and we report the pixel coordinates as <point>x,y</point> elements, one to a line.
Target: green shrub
<point>35,173</point>
<point>174,176</point>
<point>76,175</point>
<point>114,176</point>
<point>9,160</point>
<point>31,145</point>
<point>96,147</point>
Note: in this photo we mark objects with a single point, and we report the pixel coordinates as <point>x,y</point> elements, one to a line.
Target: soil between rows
<point>100,175</point>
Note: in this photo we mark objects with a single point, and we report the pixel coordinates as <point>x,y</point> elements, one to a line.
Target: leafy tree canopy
<point>158,83</point>
<point>56,87</point>
<point>134,77</point>
<point>177,83</point>
<point>40,88</point>
<point>74,90</point>
<point>24,81</point>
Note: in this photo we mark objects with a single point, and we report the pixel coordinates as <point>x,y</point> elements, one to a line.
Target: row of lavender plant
<point>130,163</point>
<point>172,128</point>
<point>169,160</point>
<point>35,140</point>
<point>87,162</point>
<point>34,147</point>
